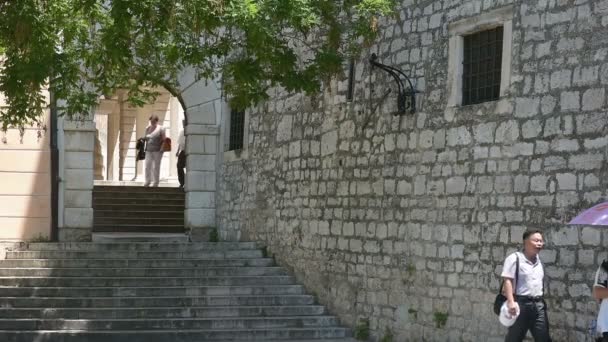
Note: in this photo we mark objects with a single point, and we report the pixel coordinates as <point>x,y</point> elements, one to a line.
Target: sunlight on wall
<point>25,187</point>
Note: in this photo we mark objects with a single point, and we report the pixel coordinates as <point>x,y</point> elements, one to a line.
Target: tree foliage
<point>82,49</point>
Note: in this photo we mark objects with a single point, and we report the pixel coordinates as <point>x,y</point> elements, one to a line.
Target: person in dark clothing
<point>181,156</point>
<point>140,146</point>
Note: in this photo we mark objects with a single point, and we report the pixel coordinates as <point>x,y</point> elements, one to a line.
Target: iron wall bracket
<point>406,97</point>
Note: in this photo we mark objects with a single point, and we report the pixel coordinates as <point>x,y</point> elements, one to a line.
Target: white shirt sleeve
<point>508,269</point>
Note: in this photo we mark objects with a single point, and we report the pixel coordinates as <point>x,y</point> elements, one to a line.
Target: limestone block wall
<point>404,220</point>
<point>79,138</point>
<point>203,102</point>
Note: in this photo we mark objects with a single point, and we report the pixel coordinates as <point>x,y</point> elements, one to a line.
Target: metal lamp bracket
<point>406,97</point>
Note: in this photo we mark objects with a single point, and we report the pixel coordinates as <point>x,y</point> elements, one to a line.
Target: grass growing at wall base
<point>362,330</point>
<point>213,235</point>
<point>39,238</point>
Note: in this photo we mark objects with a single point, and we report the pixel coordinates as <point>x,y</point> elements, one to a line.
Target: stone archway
<point>202,104</point>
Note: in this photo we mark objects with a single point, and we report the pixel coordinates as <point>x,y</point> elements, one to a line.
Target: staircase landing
<point>140,237</point>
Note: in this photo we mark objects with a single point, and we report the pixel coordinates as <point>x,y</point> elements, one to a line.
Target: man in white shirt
<point>523,275</point>
<point>181,155</point>
<point>600,292</point>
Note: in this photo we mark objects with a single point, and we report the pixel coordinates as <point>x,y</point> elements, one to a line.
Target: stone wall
<point>78,181</point>
<point>405,220</point>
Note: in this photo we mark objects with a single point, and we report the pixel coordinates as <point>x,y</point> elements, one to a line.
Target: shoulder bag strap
<point>502,283</point>
<point>516,273</point>
<point>543,280</point>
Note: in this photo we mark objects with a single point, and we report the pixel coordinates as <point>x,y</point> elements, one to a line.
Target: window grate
<point>237,130</point>
<point>482,66</point>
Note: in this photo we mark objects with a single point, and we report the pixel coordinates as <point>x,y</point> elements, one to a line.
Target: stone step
<point>140,207</point>
<point>138,194</point>
<point>138,228</point>
<point>144,282</point>
<point>138,221</point>
<point>141,194</point>
<point>134,246</point>
<point>135,263</point>
<point>127,201</point>
<point>139,191</point>
<point>185,291</point>
<point>152,213</point>
<point>181,237</point>
<point>141,272</point>
<point>163,312</point>
<point>202,254</point>
<point>136,189</point>
<point>156,301</point>
<point>280,334</point>
<point>154,292</point>
<point>170,323</point>
<point>343,339</point>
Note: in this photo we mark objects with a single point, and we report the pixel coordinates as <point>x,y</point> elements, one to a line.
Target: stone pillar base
<point>75,234</point>
<point>201,149</point>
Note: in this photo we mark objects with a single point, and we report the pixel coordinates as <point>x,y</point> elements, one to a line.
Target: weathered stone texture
<point>399,218</point>
<point>78,184</point>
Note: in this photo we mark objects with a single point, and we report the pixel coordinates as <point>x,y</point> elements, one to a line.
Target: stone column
<point>202,136</point>
<point>128,118</point>
<point>176,127</point>
<point>140,128</point>
<point>113,145</point>
<point>79,140</point>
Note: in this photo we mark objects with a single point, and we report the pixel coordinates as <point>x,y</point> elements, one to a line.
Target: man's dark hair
<point>529,232</point>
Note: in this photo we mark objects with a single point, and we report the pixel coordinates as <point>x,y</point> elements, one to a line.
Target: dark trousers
<point>533,317</point>
<point>181,165</point>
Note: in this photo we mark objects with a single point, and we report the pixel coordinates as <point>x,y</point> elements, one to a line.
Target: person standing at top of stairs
<point>181,155</point>
<point>155,134</point>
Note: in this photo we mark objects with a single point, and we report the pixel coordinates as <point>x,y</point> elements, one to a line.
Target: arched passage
<point>119,125</point>
<point>202,107</point>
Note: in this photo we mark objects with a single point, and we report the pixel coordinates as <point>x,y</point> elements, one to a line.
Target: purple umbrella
<point>596,215</point>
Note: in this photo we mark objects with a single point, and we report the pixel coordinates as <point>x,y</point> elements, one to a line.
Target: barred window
<point>237,130</point>
<point>482,66</point>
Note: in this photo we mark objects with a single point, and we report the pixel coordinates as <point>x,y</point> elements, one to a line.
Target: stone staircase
<point>138,209</point>
<point>154,292</point>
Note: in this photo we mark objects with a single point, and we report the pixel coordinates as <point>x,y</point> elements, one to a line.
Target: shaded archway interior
<point>119,125</point>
